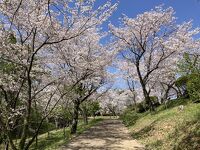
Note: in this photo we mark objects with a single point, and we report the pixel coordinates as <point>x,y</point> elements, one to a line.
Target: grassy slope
<point>56,137</point>
<point>170,128</point>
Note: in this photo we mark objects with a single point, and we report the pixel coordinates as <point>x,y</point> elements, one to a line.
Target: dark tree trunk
<point>36,141</point>
<point>28,108</point>
<point>85,116</point>
<point>85,119</point>
<point>75,117</point>
<point>24,134</point>
<point>165,97</point>
<point>48,133</point>
<point>143,84</point>
<point>56,122</point>
<point>147,98</point>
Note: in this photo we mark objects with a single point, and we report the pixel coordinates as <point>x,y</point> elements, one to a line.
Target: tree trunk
<point>166,95</point>
<point>177,92</point>
<point>6,145</point>
<point>24,134</point>
<point>85,117</point>
<point>146,94</point>
<point>56,122</point>
<point>48,134</point>
<point>147,98</point>
<point>75,117</point>
<point>135,103</point>
<point>36,141</point>
<point>28,110</point>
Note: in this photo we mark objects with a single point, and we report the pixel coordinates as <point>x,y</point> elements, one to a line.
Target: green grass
<point>56,138</point>
<point>168,129</point>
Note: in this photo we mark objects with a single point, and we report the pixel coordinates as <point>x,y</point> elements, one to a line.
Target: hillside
<point>167,129</point>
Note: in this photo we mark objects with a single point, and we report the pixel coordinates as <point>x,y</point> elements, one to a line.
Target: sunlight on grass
<point>56,138</point>
<point>169,128</point>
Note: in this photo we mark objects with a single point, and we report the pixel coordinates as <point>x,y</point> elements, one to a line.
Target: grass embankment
<point>56,138</point>
<point>167,128</point>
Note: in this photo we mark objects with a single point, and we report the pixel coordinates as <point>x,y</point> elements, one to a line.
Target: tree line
<point>53,64</point>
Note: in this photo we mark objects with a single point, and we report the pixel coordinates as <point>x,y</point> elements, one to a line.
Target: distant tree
<point>94,108</point>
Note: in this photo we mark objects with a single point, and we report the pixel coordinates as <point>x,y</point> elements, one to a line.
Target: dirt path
<point>107,135</point>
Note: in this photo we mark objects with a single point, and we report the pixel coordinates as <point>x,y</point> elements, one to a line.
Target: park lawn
<point>169,128</point>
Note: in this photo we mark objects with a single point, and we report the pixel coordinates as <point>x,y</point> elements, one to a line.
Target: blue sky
<point>186,10</point>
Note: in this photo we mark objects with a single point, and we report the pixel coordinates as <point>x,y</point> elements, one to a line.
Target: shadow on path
<point>107,135</point>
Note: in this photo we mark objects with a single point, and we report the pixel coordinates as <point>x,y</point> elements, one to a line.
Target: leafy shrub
<point>1,138</point>
<point>129,117</point>
<point>141,107</point>
<point>155,101</point>
<point>93,108</point>
<point>176,102</point>
<point>193,87</point>
<point>47,126</point>
<point>181,83</point>
<point>190,84</point>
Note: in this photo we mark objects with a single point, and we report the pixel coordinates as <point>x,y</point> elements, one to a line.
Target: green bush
<point>190,84</point>
<point>93,108</point>
<point>1,138</point>
<point>193,87</point>
<point>141,107</point>
<point>181,83</point>
<point>129,117</point>
<point>155,101</point>
<point>47,126</point>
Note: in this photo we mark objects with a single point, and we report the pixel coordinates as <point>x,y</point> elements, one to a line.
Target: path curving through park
<point>109,134</point>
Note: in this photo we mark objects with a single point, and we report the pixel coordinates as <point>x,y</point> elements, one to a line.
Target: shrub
<point>141,107</point>
<point>155,101</point>
<point>181,83</point>
<point>190,84</point>
<point>193,87</point>
<point>129,117</point>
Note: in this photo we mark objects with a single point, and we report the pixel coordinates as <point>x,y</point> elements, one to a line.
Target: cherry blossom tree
<point>115,101</point>
<point>151,40</point>
<point>82,62</point>
<point>30,30</point>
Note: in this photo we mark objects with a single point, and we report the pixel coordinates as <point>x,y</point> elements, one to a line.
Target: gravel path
<point>107,135</point>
